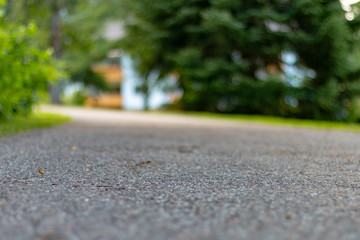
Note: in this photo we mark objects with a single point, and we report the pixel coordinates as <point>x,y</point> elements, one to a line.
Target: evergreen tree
<point>229,54</point>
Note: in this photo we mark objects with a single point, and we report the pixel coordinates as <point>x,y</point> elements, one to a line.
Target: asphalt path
<point>130,175</point>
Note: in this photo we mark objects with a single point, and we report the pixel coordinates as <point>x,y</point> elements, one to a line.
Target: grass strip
<point>279,121</point>
<point>36,120</point>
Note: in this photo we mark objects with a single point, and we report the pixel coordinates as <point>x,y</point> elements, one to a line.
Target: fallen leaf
<point>88,165</point>
<point>41,171</point>
<point>74,148</point>
<point>143,163</point>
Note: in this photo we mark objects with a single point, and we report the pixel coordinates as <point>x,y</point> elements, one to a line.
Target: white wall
<point>133,100</point>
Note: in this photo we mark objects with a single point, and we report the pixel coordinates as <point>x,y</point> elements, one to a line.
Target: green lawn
<point>300,123</point>
<point>36,120</point>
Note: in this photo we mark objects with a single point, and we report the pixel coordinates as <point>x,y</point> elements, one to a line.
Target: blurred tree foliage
<point>24,69</point>
<point>230,55</point>
<point>73,28</point>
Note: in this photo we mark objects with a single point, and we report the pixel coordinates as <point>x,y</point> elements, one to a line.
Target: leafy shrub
<point>24,70</point>
<point>78,98</point>
<point>332,101</point>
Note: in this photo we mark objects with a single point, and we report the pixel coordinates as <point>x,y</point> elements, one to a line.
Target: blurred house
<point>111,70</point>
<point>118,72</point>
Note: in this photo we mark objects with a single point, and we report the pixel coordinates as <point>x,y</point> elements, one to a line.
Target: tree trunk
<point>146,91</point>
<point>146,101</point>
<point>55,39</point>
<point>7,8</point>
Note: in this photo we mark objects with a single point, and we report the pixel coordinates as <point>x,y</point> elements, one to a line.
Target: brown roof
<point>111,72</point>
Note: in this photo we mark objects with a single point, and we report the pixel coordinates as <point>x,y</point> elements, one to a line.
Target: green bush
<point>333,101</point>
<point>78,98</point>
<point>24,70</point>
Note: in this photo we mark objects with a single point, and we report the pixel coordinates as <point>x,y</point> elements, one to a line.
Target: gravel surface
<point>147,177</point>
